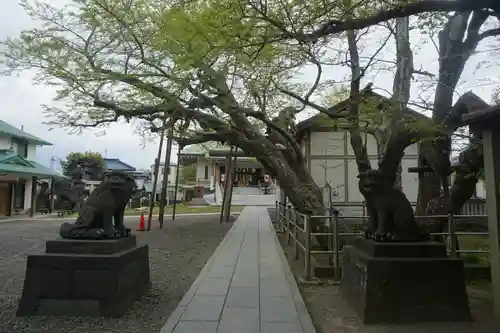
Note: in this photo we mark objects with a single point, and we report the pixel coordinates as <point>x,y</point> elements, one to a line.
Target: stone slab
<point>204,308</point>
<point>245,287</point>
<point>401,250</point>
<point>58,284</point>
<point>404,290</point>
<point>196,326</point>
<point>85,246</point>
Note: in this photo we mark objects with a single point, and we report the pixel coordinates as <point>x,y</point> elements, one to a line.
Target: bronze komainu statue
<point>391,217</point>
<point>105,204</point>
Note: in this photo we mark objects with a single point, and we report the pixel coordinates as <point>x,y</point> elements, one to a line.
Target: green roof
<point>9,130</point>
<point>199,149</point>
<point>209,149</point>
<point>17,165</point>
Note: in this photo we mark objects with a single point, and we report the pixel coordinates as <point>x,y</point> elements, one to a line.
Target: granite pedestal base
<point>404,283</point>
<point>85,278</point>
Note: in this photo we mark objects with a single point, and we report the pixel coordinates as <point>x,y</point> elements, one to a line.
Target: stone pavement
<point>246,287</point>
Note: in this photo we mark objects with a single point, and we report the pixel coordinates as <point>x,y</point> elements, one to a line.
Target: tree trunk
<point>457,41</point>
<point>429,183</point>
<point>471,162</point>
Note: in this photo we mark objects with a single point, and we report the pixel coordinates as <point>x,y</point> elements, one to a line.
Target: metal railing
<point>291,222</point>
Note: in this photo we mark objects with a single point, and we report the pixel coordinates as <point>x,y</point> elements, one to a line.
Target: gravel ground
<point>330,313</point>
<point>177,254</point>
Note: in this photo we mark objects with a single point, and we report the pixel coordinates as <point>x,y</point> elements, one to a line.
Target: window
<point>22,149</point>
<point>168,171</point>
<point>162,171</point>
<point>206,172</point>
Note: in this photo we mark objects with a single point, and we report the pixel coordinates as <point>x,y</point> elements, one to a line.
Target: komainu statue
<point>105,205</point>
<point>391,217</point>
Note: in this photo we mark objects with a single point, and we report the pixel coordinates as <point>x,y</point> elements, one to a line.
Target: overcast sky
<point>20,102</point>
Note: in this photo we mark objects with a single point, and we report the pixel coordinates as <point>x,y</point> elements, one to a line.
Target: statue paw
<point>391,237</point>
<point>95,233</point>
<point>370,234</point>
<point>113,233</point>
<point>379,237</point>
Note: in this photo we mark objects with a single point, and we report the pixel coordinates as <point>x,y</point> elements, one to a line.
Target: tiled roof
<point>201,149</point>
<point>9,130</point>
<point>116,164</point>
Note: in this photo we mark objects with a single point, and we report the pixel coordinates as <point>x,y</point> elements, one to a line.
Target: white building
<point>210,161</point>
<point>18,169</point>
<point>169,174</point>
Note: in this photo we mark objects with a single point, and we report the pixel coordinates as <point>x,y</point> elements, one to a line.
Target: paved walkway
<point>246,287</point>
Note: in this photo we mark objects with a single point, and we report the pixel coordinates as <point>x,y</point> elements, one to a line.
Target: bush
<point>470,258</point>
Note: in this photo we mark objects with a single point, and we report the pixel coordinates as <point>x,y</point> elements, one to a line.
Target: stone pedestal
<point>404,283</point>
<point>85,278</point>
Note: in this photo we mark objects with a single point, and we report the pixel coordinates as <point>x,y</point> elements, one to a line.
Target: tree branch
<point>359,149</point>
<point>289,138</point>
<point>201,138</point>
<point>328,111</point>
<point>425,6</point>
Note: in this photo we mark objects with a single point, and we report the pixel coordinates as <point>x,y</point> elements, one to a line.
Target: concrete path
<point>246,287</point>
<point>243,199</point>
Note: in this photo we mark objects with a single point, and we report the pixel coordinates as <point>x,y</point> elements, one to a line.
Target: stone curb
<point>181,307</point>
<point>305,318</point>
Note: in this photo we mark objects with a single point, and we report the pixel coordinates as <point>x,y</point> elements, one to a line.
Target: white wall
<point>5,143</point>
<point>27,193</point>
<point>161,173</point>
<point>481,189</point>
<point>333,151</point>
<point>331,171</point>
<point>368,140</point>
<point>200,169</point>
<point>31,152</point>
<point>410,180</point>
<point>327,143</point>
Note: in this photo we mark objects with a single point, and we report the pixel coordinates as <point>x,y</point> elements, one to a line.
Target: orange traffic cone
<point>142,227</point>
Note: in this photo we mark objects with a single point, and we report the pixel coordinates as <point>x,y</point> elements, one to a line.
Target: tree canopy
<point>93,164</point>
<point>188,173</point>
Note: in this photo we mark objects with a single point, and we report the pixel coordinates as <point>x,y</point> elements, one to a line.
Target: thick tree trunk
<point>296,181</point>
<point>457,41</point>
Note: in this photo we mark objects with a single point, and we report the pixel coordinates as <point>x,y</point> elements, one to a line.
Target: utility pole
<point>164,187</point>
<point>179,148</point>
<point>155,175</point>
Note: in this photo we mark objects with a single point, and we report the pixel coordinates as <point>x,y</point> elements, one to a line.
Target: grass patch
<point>184,209</point>
<point>474,243</point>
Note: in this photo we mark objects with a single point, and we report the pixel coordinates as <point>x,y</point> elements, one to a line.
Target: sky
<point>21,100</point>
